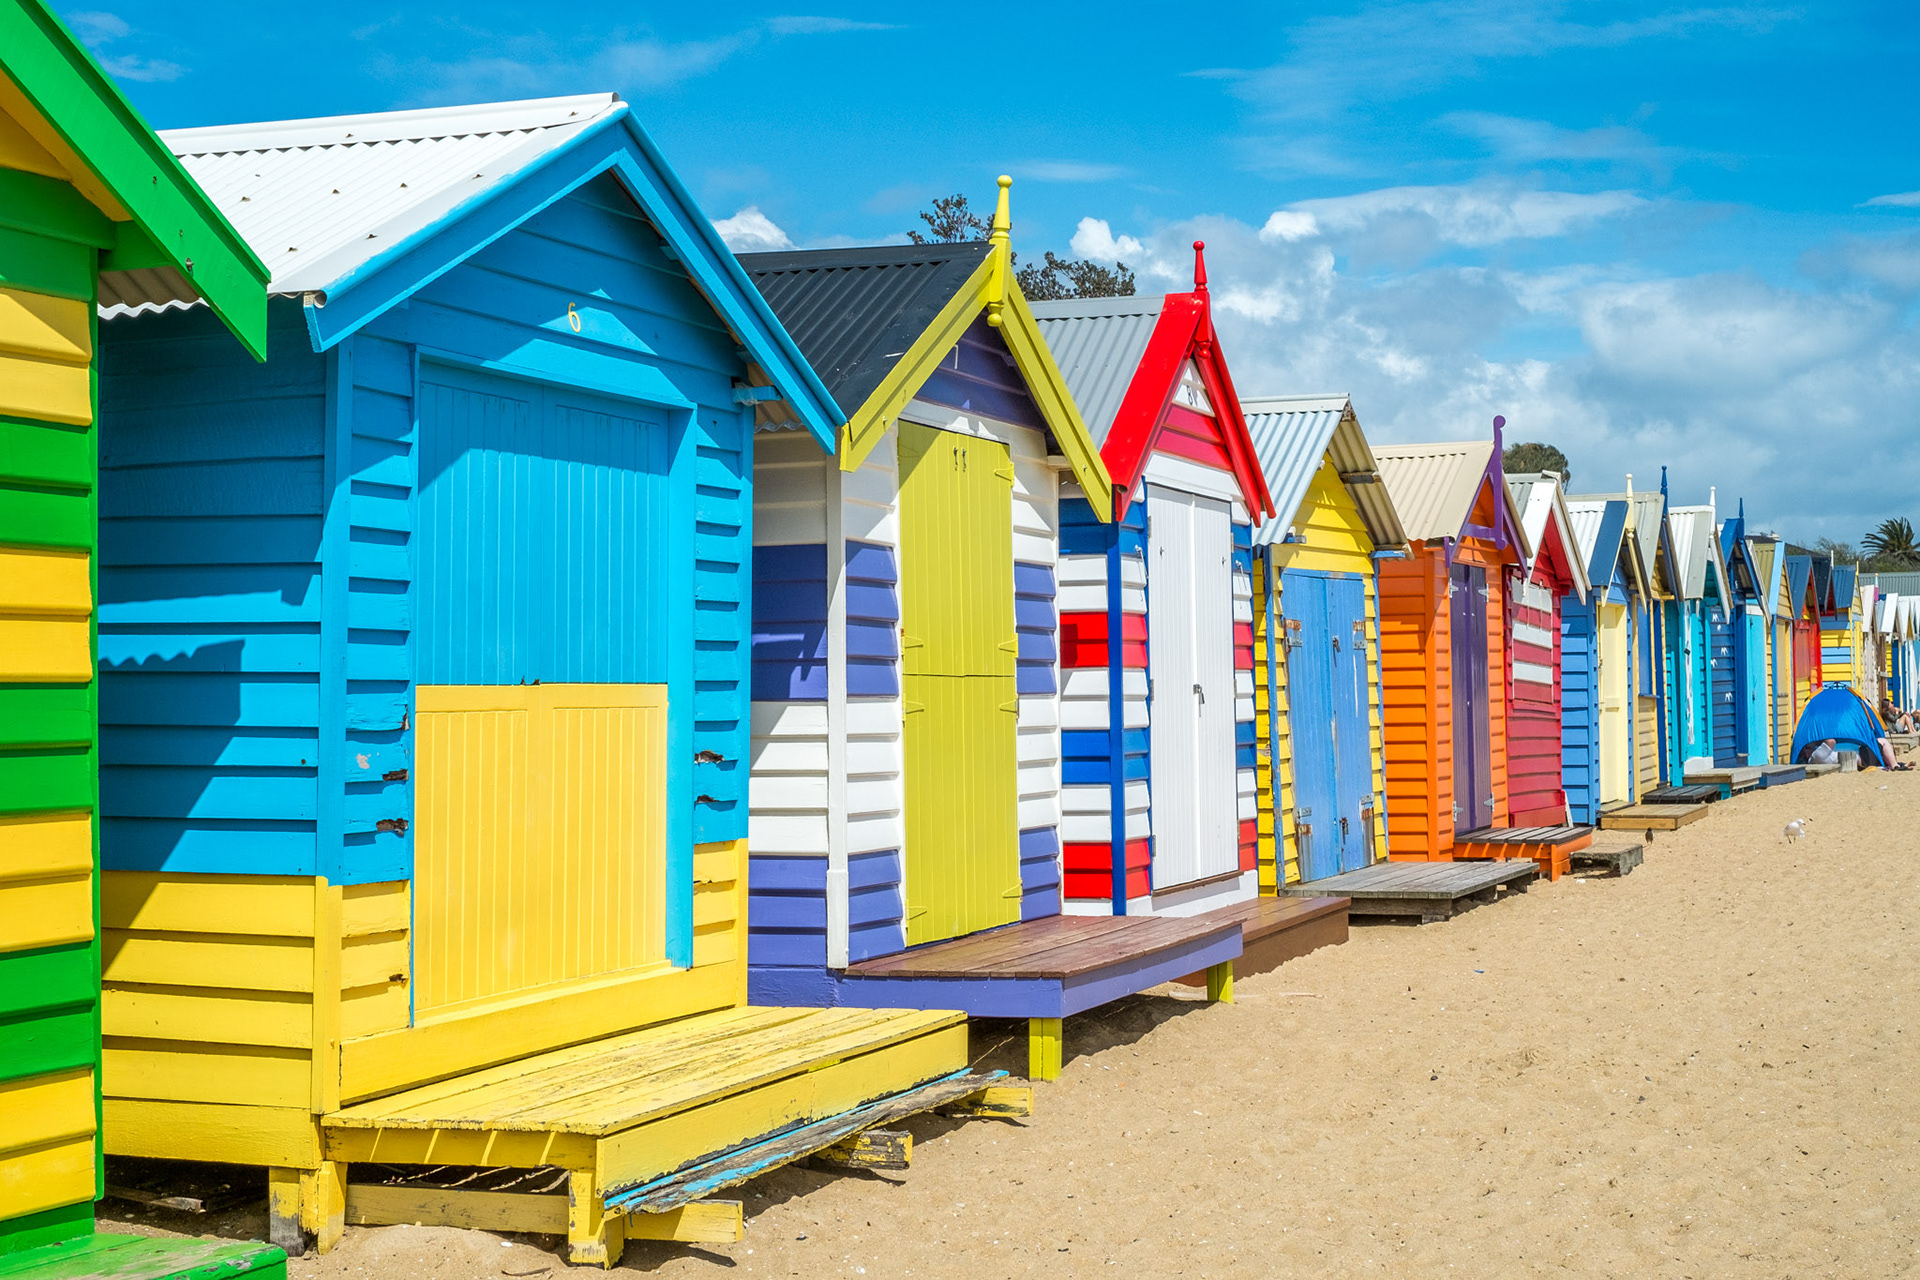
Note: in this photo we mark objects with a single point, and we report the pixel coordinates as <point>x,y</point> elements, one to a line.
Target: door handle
<point>1343,828</point>
<point>1202,694</point>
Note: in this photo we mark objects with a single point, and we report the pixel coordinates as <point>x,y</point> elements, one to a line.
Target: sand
<point>1703,1069</point>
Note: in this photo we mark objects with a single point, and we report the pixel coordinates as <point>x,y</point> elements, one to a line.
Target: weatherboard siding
<point>49,953</point>
<point>1580,762</point>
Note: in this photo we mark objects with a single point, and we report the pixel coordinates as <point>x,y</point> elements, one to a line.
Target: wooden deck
<point>620,1113</point>
<point>1728,782</point>
<point>111,1256</point>
<point>1694,793</point>
<point>1551,848</point>
<point>1430,890</point>
<point>1651,817</point>
<point>1276,930</point>
<point>1820,770</point>
<point>1610,856</point>
<point>1779,775</point>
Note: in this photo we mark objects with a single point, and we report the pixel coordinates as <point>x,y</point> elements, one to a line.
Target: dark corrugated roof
<point>855,312</point>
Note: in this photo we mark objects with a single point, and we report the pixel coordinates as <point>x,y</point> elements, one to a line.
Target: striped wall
<point>1722,686</point>
<point>1579,742</point>
<point>1534,712</point>
<point>792,805</point>
<point>1245,710</point>
<point>48,766</point>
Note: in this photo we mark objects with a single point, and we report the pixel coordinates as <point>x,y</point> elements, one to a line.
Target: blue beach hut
<point>1601,640</point>
<point>1700,600</point>
<point>1743,685</point>
<point>424,674</point>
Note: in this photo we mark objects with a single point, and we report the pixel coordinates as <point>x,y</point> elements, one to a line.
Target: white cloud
<point>1289,225</point>
<point>1520,141</point>
<point>1068,171</point>
<point>1778,393</point>
<point>751,231</point>
<point>1900,199</point>
<point>813,25</point>
<point>1476,215</point>
<point>145,70</point>
<point>1094,238</point>
<point>96,28</point>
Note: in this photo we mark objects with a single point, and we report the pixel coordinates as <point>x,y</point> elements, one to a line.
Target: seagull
<point>1795,829</point>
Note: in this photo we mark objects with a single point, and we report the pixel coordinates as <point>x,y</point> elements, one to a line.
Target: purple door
<point>1472,754</point>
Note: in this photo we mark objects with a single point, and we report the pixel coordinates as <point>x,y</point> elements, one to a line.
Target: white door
<point>1190,657</point>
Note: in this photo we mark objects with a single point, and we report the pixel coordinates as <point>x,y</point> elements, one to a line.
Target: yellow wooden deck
<point>617,1112</point>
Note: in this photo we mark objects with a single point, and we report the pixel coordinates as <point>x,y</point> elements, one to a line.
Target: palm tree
<point>1893,542</point>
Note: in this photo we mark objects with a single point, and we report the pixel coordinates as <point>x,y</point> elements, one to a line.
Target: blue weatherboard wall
<point>284,559</point>
<point>1580,706</point>
<point>1724,687</point>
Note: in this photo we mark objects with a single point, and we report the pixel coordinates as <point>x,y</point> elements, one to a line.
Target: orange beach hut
<point>1442,644</point>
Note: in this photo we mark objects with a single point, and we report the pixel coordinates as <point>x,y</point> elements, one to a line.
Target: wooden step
<point>107,1256</point>
<point>1429,890</point>
<point>1278,929</point>
<point>1652,817</point>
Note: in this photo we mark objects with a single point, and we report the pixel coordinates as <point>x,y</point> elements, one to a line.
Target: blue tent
<point>1839,713</point>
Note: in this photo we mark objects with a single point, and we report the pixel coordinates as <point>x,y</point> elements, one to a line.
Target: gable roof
<point>1799,581</point>
<point>1433,487</point>
<point>1098,345</point>
<point>856,312</point>
<point>881,319</point>
<point>355,213</point>
<point>1292,436</point>
<point>1696,549</point>
<point>138,206</point>
<point>1545,519</point>
<point>1842,582</point>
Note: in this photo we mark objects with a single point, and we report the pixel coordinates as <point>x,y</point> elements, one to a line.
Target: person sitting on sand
<point>1827,752</point>
<point>1894,719</point>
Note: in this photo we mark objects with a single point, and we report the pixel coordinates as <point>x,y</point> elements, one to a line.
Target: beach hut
<point>1647,525</point>
<point>1552,579</point>
<point>1742,685</point>
<point>93,209</point>
<point>1159,398</point>
<point>425,683</point>
<point>1770,561</point>
<point>1443,644</point>
<point>1321,771</point>
<point>1601,640</point>
<point>1866,641</point>
<point>1699,600</point>
<point>906,795</point>
<point>1836,587</point>
<point>1803,598</point>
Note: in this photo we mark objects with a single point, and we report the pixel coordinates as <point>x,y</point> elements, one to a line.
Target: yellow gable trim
<point>1049,389</point>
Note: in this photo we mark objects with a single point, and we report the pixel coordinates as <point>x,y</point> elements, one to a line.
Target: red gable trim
<point>1184,332</point>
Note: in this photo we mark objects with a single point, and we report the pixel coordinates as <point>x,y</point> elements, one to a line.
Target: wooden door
<point>958,650</point>
<point>540,852</point>
<point>1352,730</point>
<point>1311,722</point>
<point>1190,724</point>
<point>1472,705</point>
<point>1616,707</point>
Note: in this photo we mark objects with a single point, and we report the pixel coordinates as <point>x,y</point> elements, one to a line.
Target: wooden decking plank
<point>1006,942</point>
<point>659,1082</point>
<point>1112,940</point>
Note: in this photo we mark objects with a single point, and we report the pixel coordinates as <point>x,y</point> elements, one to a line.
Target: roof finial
<point>1499,424</point>
<point>1663,485</point>
<point>1629,486</point>
<point>1713,501</point>
<point>1000,236</point>
<point>1199,266</point>
<point>1742,513</point>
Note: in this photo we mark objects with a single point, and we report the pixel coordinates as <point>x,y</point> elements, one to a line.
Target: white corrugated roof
<point>1292,435</point>
<point>1696,545</point>
<point>1433,485</point>
<point>1098,344</point>
<point>321,199</point>
<point>1542,502</point>
<point>1586,515</point>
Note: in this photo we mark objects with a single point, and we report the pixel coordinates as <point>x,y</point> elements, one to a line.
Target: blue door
<point>1724,663</point>
<point>1310,714</point>
<point>1353,745</point>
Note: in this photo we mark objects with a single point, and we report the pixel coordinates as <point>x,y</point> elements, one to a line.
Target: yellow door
<point>540,838</point>
<point>1616,707</point>
<point>958,648</point>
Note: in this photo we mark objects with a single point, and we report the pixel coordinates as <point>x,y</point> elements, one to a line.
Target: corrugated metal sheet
<point>1432,485</point>
<point>1697,548</point>
<point>855,312</point>
<point>1541,500</point>
<point>319,199</point>
<point>1098,344</point>
<point>1292,434</point>
<point>1586,517</point>
<point>1903,584</point>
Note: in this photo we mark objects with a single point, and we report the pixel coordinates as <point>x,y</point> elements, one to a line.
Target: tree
<point>1532,456</point>
<point>950,221</point>
<point>1837,551</point>
<point>1074,278</point>
<point>1892,546</point>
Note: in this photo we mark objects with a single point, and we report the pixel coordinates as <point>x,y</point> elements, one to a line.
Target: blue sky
<point>1652,234</point>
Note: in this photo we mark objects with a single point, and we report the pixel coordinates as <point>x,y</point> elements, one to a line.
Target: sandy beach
<point>1702,1069</point>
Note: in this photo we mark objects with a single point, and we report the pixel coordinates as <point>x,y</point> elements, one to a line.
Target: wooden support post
<point>594,1237</point>
<point>869,1149</point>
<point>1002,1102</point>
<point>702,1222</point>
<point>283,1211</point>
<point>1044,1048</point>
<point>1220,982</point>
<point>323,1203</point>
